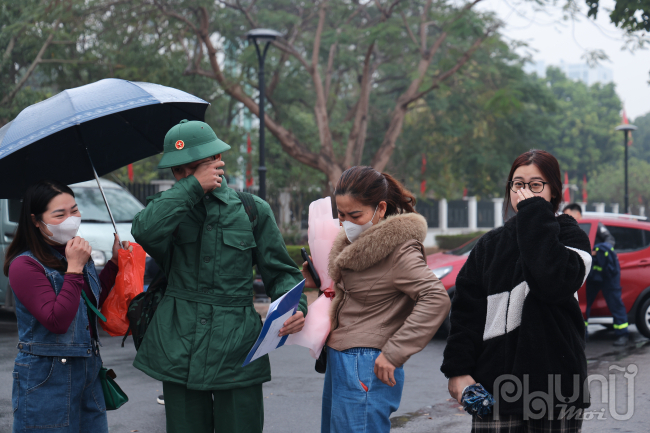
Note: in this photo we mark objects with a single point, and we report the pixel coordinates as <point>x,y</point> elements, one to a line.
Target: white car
<point>96,226</point>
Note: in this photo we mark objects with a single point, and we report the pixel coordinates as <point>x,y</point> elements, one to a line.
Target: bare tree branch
<point>357,137</point>
<point>174,14</point>
<point>12,44</point>
<point>201,72</point>
<point>451,71</point>
<point>10,48</point>
<point>412,94</point>
<point>288,141</point>
<point>320,108</point>
<point>291,50</point>
<point>463,11</point>
<point>423,27</point>
<point>66,61</point>
<point>387,13</point>
<point>410,33</point>
<point>11,95</point>
<point>330,67</point>
<point>240,8</point>
<point>275,79</point>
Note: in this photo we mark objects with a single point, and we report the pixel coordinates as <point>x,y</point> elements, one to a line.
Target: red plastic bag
<point>128,284</point>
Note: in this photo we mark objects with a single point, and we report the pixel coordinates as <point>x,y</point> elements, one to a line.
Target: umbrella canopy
<point>115,122</point>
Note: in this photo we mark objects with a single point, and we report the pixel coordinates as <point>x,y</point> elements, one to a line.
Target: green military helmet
<point>190,141</point>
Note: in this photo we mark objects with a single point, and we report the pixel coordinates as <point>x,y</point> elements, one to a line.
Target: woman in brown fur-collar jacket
<point>388,303</point>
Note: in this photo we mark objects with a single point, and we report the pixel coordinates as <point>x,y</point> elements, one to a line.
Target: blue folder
<point>288,302</point>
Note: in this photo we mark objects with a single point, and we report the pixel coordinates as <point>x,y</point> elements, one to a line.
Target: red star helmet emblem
<point>180,144</point>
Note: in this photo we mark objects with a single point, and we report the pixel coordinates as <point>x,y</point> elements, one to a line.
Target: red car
<point>633,249</point>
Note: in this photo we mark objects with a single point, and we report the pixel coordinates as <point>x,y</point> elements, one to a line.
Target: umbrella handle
<point>117,236</point>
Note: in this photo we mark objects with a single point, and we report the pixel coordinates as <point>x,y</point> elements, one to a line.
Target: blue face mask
<point>353,231</point>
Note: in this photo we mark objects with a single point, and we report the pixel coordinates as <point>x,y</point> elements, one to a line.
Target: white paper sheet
<point>272,339</point>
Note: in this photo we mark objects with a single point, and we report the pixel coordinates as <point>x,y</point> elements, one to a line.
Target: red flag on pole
<point>626,122</point>
<point>249,164</point>
<point>567,193</point>
<point>423,184</point>
<point>584,188</point>
<point>130,170</point>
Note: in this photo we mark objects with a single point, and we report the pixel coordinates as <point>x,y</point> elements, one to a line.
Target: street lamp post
<point>264,36</point>
<point>626,128</point>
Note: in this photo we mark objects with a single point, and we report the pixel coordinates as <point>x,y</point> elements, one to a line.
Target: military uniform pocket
<point>186,247</point>
<point>237,254</point>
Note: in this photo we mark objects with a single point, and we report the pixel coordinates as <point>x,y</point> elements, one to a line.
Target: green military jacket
<point>206,323</point>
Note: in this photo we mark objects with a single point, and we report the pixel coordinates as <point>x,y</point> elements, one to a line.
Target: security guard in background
<point>605,276</point>
<point>200,234</point>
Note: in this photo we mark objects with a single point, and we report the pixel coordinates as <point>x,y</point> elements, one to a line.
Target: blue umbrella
<point>88,131</point>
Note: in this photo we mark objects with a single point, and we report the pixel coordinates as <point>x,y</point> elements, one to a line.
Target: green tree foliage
<point>640,147</point>
<point>631,15</point>
<point>469,107</point>
<point>335,55</point>
<point>39,41</point>
<point>581,134</point>
<point>472,130</point>
<point>608,184</point>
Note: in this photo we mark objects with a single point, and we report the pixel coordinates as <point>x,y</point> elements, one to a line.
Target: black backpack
<point>142,307</point>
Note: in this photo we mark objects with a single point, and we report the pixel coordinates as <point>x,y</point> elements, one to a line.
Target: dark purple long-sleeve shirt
<point>33,289</point>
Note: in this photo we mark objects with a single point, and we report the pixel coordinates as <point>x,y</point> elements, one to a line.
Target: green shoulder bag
<point>114,397</point>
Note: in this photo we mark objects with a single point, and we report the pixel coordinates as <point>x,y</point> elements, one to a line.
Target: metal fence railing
<point>457,214</point>
<point>142,190</point>
<point>484,214</point>
<point>429,209</point>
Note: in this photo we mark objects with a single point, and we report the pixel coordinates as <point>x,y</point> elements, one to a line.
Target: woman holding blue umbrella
<point>56,373</point>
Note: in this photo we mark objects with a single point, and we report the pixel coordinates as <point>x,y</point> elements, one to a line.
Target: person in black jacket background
<point>516,325</point>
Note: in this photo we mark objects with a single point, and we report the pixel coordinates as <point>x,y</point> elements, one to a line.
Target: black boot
<point>622,340</point>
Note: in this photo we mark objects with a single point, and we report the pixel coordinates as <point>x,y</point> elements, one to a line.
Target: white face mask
<point>62,233</point>
<point>353,231</point>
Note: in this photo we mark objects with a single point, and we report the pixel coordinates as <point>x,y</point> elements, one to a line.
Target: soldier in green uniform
<point>204,327</point>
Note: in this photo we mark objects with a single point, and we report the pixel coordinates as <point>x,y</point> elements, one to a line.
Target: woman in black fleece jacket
<point>516,325</point>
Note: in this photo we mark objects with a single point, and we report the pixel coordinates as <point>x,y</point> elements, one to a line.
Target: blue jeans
<point>58,394</point>
<point>347,406</point>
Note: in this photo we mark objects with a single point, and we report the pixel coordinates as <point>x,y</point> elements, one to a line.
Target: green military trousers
<point>239,410</point>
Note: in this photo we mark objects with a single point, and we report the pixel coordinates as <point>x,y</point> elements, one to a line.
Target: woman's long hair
<point>550,168</point>
<point>28,237</point>
<point>369,187</point>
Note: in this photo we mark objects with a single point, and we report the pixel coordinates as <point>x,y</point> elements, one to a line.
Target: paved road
<point>292,399</point>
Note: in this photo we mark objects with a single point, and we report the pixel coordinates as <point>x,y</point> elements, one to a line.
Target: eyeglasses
<point>535,186</point>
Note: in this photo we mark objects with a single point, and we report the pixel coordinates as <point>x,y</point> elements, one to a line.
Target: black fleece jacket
<point>515,316</point>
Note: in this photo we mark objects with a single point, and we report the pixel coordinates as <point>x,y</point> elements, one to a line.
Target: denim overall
<point>56,384</point>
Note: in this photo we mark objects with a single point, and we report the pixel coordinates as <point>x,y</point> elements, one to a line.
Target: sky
<point>551,40</point>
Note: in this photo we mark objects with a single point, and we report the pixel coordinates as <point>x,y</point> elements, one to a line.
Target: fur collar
<point>375,244</point>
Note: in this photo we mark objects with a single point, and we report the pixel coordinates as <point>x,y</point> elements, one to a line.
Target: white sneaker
<point>161,399</point>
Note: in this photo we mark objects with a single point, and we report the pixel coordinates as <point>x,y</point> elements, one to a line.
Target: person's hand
<point>309,281</point>
<point>293,325</point>
<point>77,252</point>
<point>116,247</point>
<point>209,175</point>
<point>384,370</point>
<point>524,194</point>
<point>457,384</point>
